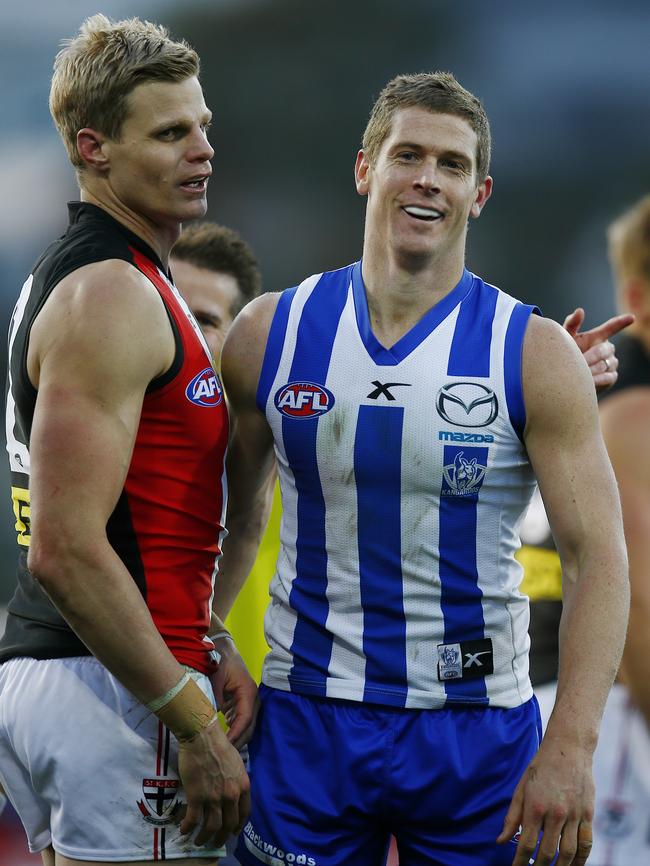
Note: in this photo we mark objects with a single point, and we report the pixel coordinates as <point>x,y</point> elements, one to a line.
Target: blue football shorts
<point>333,779</point>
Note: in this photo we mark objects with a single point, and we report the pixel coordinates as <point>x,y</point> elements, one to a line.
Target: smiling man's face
<point>423,186</point>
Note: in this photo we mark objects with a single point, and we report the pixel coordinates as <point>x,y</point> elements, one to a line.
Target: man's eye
<point>208,321</point>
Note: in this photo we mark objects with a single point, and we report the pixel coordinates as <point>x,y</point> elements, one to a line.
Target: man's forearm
<point>101,603</point>
<point>245,530</point>
<point>240,550</point>
<point>592,635</point>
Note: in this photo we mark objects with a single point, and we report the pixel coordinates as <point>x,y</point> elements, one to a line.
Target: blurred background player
<point>622,759</point>
<point>114,414</point>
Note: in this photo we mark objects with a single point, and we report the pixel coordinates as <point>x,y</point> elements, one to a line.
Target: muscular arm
<point>99,340</point>
<point>251,462</point>
<point>625,421</point>
<point>101,337</point>
<point>579,492</point>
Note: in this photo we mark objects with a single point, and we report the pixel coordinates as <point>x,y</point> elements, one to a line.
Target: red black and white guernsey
<point>168,524</point>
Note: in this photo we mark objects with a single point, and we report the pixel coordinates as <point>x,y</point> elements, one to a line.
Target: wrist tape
<point>184,709</point>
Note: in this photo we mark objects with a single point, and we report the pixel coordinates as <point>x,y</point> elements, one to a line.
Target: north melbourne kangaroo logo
<point>467,404</point>
<point>384,390</point>
<point>464,476</point>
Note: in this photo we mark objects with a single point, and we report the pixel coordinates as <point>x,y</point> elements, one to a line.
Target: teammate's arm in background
<point>91,375</point>
<point>625,421</point>
<point>568,455</point>
<point>251,460</point>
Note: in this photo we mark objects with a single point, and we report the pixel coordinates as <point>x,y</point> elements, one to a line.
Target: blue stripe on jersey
<point>418,333</point>
<point>470,348</point>
<point>312,643</point>
<point>513,346</point>
<point>274,345</point>
<point>460,595</point>
<point>377,471</point>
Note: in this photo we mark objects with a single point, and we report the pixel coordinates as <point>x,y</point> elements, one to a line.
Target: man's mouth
<point>428,214</point>
<point>197,183</point>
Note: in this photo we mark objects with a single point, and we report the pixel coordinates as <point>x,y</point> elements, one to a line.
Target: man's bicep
<point>92,377</point>
<point>250,463</point>
<point>80,451</point>
<point>564,443</point>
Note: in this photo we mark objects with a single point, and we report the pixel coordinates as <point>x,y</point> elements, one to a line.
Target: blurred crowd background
<point>291,82</point>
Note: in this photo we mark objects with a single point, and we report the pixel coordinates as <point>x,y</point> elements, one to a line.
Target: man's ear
<point>91,147</point>
<point>635,294</point>
<point>361,169</point>
<point>483,193</point>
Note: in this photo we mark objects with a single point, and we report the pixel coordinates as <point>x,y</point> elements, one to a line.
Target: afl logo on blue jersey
<point>205,389</point>
<point>303,400</point>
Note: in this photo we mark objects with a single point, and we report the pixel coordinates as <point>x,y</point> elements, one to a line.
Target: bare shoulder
<point>107,310</point>
<point>556,380</point>
<point>243,351</point>
<point>113,284</point>
<point>625,422</point>
<point>548,347</point>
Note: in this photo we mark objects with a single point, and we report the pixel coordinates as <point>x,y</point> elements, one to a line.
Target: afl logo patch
<point>303,400</point>
<point>205,389</point>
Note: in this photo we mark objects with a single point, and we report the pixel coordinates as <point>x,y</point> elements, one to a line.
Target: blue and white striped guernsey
<point>403,480</point>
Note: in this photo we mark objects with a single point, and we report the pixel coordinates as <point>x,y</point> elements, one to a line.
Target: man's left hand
<point>235,692</point>
<point>554,796</point>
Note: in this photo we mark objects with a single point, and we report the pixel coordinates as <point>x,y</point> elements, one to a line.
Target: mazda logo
<point>467,404</point>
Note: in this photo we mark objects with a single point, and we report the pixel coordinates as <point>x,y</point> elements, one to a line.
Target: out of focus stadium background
<point>291,83</point>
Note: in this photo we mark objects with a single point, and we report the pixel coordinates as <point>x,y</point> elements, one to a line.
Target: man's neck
<point>161,240</point>
<point>399,293</point>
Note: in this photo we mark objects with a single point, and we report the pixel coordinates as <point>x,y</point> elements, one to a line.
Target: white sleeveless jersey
<point>404,479</point>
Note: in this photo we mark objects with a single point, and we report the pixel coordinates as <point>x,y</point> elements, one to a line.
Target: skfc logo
<point>467,404</point>
<point>205,389</point>
<point>303,400</point>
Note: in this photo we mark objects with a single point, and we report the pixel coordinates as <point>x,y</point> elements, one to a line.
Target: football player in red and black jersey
<point>117,429</point>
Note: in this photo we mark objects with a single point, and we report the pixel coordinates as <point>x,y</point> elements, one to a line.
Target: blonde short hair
<point>95,71</point>
<point>629,242</point>
<point>438,92</point>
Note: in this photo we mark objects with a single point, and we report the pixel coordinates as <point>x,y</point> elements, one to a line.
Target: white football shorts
<point>87,767</point>
<point>622,779</point>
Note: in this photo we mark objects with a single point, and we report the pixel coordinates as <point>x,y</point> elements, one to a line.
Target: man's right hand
<point>216,785</point>
<point>596,349</point>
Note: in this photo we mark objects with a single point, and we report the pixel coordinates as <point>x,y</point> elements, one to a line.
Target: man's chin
<point>416,255</point>
<point>195,211</point>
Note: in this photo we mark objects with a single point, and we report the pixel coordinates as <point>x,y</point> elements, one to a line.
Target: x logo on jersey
<point>384,389</point>
<point>472,659</point>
